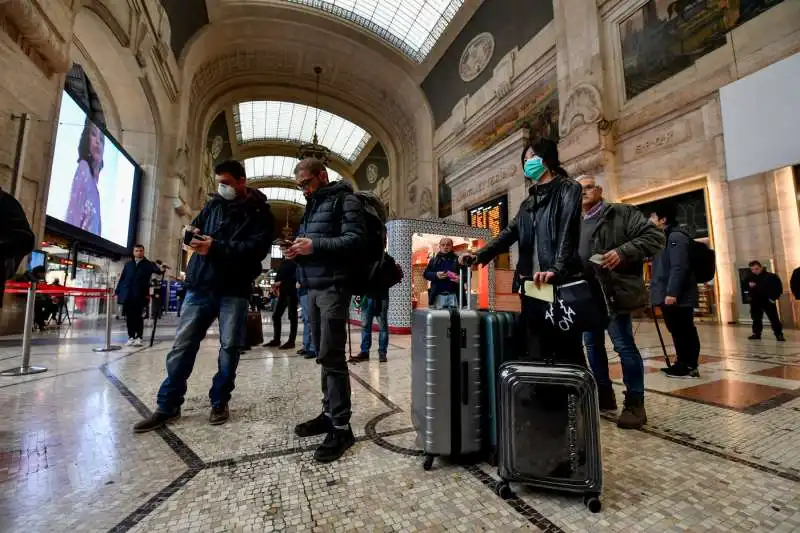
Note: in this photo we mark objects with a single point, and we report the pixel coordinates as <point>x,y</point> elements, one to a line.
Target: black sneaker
<point>317,426</point>
<point>335,444</point>
<point>309,355</point>
<point>754,338</point>
<point>219,415</point>
<point>780,338</point>
<point>607,399</point>
<point>289,345</point>
<point>155,421</point>
<point>681,371</point>
<point>274,343</point>
<point>382,358</point>
<point>302,351</point>
<point>363,356</point>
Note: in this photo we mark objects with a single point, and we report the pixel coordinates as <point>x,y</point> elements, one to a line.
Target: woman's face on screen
<point>96,141</point>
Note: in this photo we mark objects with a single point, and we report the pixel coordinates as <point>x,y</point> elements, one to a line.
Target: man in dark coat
<point>285,284</point>
<point>132,292</point>
<point>765,289</point>
<point>674,289</point>
<point>16,238</point>
<point>231,237</point>
<point>794,283</point>
<point>334,233</point>
<point>619,237</point>
<point>442,272</point>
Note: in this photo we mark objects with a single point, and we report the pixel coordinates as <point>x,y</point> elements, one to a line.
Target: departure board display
<point>492,215</point>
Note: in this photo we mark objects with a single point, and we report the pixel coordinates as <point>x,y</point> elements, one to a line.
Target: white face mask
<point>226,191</point>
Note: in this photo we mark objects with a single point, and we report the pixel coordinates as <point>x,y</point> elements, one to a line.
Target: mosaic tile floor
<point>719,453</point>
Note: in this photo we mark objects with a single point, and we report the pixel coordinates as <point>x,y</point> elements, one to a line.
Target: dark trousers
<point>680,323</point>
<point>133,317</point>
<point>757,312</point>
<point>286,299</point>
<point>328,311</point>
<point>544,343</point>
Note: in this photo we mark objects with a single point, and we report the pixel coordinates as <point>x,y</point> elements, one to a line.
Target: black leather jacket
<point>549,224</point>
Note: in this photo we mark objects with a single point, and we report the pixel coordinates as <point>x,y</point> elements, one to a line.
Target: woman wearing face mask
<point>547,231</point>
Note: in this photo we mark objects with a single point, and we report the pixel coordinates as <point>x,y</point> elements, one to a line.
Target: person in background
<point>180,295</point>
<point>230,238</point>
<point>623,237</point>
<point>765,290</point>
<point>673,289</point>
<point>308,351</point>
<point>442,272</point>
<point>794,283</point>
<point>375,306</point>
<point>16,238</point>
<point>132,292</point>
<point>285,286</point>
<point>334,232</point>
<point>547,230</point>
<point>83,210</point>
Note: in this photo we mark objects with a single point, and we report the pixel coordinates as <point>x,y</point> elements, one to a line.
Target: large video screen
<point>92,181</point>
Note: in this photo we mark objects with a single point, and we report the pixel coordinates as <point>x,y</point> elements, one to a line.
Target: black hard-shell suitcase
<point>254,329</point>
<point>446,382</point>
<point>549,430</point>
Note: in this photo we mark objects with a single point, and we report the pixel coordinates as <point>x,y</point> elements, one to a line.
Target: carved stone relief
<point>476,56</point>
<point>426,202</point>
<point>584,105</point>
<point>38,32</point>
<point>504,75</point>
<point>412,194</point>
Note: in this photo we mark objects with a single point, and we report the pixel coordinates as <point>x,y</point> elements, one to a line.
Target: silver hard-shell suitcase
<point>549,429</point>
<point>446,382</point>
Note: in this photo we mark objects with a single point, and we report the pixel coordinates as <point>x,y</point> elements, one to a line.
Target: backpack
<point>376,271</point>
<point>702,260</point>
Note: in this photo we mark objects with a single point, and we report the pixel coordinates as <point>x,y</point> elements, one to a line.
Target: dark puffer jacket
<point>242,232</point>
<point>553,212</point>
<point>16,238</point>
<point>672,272</point>
<point>768,287</point>
<point>337,234</point>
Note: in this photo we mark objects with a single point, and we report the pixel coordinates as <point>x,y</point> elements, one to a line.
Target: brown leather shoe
<point>633,415</point>
<point>219,415</point>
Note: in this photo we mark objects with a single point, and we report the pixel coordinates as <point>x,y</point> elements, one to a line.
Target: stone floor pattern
<point>718,454</point>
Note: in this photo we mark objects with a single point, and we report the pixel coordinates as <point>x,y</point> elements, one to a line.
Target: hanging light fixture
<point>314,149</point>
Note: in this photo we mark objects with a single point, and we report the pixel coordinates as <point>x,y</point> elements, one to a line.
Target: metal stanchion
<point>108,346</point>
<point>25,368</point>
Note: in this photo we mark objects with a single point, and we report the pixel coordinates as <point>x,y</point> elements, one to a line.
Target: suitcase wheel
<point>592,502</point>
<point>503,489</point>
<point>428,462</point>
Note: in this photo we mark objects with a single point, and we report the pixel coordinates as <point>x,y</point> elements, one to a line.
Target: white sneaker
<point>137,343</point>
<point>130,342</point>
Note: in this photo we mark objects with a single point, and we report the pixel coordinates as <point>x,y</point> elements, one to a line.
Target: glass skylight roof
<point>277,166</point>
<point>412,26</point>
<point>284,194</point>
<point>289,122</point>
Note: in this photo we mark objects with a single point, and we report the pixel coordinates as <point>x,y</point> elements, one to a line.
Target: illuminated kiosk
<point>410,242</point>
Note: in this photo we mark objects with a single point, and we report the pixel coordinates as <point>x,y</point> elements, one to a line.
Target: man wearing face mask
<point>229,239</point>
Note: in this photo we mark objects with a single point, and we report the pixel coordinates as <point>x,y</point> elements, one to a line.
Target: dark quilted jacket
<point>335,243</point>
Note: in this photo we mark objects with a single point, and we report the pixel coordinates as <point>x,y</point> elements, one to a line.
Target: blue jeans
<point>620,329</point>
<point>200,309</point>
<point>445,301</point>
<point>308,341</point>
<point>368,314</point>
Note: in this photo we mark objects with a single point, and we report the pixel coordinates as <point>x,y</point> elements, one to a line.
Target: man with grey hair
<point>615,240</point>
<point>442,272</point>
<point>332,233</point>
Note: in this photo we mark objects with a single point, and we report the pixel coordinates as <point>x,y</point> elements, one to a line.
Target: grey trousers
<point>328,311</point>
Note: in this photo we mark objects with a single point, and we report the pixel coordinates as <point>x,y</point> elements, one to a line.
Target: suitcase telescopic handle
<point>461,290</point>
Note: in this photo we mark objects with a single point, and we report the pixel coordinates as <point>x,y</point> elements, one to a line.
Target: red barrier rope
<point>21,287</point>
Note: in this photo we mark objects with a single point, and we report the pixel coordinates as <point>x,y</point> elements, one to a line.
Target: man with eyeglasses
<point>615,240</point>
<point>333,234</point>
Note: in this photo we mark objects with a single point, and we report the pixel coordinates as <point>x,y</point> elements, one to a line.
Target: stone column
<point>586,135</point>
